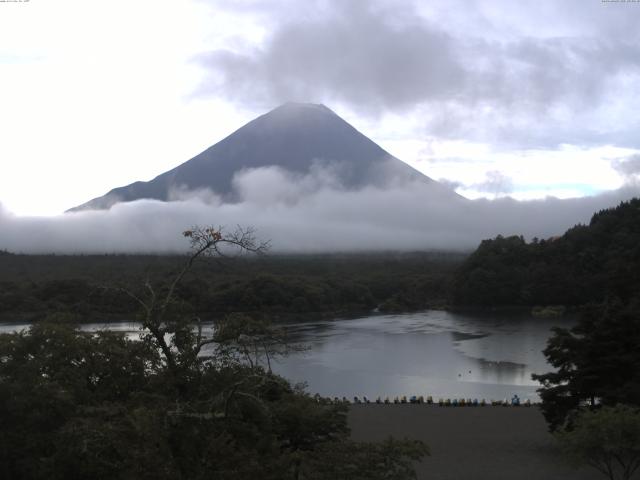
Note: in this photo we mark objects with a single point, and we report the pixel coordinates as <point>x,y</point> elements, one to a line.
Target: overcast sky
<point>527,99</point>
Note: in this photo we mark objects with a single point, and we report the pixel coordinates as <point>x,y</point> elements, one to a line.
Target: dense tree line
<point>586,264</point>
<point>32,287</point>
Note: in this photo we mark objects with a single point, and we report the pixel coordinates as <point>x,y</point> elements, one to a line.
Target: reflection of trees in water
<point>494,370</point>
<point>508,373</point>
<point>461,336</point>
<point>523,347</point>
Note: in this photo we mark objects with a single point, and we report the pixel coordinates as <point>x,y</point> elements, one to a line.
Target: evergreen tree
<point>597,362</point>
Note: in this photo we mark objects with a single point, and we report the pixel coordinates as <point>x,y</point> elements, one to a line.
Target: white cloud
<point>304,214</point>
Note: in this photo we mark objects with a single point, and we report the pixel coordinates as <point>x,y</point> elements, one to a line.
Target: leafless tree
<point>173,335</point>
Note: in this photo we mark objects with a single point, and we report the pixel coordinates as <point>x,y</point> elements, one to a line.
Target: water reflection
<point>429,353</point>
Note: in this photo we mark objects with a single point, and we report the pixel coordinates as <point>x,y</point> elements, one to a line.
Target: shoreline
<point>481,443</point>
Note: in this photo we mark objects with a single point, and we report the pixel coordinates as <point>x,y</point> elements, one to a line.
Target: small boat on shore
<point>515,401</point>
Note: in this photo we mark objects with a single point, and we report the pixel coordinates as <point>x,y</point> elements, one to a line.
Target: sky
<point>496,99</point>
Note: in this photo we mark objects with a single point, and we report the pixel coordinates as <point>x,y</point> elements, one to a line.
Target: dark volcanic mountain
<point>296,137</point>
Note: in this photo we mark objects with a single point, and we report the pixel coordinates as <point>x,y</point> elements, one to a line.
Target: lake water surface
<point>436,353</point>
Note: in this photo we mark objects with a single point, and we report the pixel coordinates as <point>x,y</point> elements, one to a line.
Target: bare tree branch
<point>204,241</point>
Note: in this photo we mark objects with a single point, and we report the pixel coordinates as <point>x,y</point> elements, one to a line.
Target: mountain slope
<point>295,137</point>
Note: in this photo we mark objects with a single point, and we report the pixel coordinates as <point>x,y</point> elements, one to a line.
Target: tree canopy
<point>596,362</point>
<point>586,264</point>
<point>607,439</point>
<point>275,286</point>
<point>82,405</point>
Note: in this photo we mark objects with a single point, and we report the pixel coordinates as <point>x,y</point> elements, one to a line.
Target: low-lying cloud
<point>628,167</point>
<point>304,214</point>
<point>495,182</point>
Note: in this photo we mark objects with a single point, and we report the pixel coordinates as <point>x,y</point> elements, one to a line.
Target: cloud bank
<point>540,74</point>
<point>304,214</point>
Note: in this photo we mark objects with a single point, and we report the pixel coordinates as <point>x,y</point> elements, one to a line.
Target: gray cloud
<point>495,182</point>
<point>304,215</point>
<point>357,54</point>
<point>451,184</point>
<point>533,75</point>
<point>629,166</point>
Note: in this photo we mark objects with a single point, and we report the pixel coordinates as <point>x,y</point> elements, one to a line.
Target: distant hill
<point>586,264</point>
<point>295,137</point>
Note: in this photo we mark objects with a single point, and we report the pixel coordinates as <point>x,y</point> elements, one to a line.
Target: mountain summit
<point>296,137</point>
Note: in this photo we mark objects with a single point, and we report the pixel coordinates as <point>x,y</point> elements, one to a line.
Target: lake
<point>436,353</point>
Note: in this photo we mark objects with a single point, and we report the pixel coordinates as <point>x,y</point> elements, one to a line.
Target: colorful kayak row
<point>448,402</point>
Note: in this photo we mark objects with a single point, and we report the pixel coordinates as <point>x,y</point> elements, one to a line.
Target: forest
<point>277,286</point>
<point>587,264</point>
